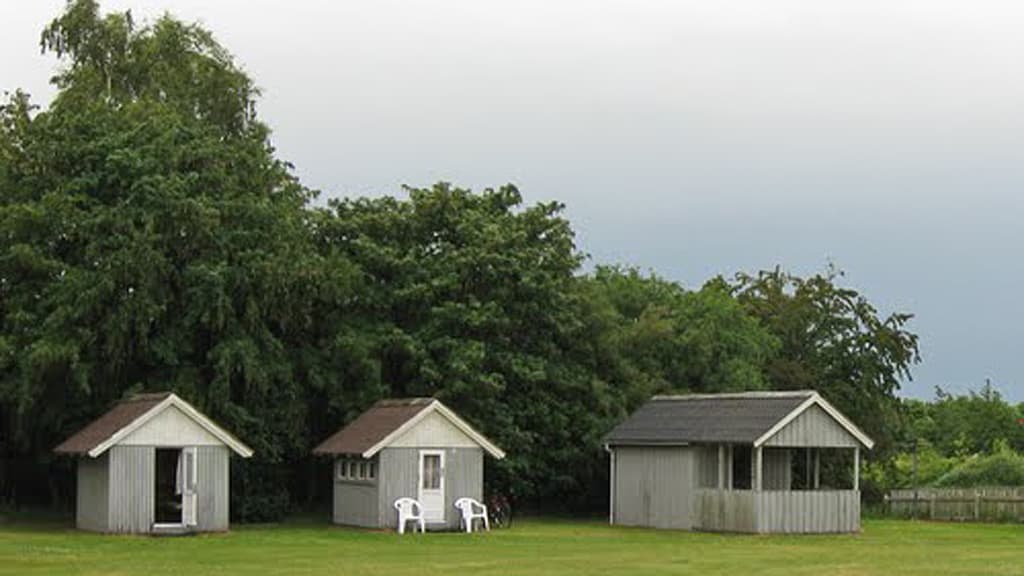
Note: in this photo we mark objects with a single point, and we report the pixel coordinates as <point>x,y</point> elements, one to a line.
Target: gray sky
<point>689,137</point>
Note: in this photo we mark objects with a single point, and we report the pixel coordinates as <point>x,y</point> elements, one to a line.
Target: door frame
<point>188,497</point>
<point>441,485</point>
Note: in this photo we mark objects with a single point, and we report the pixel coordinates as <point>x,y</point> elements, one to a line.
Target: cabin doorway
<point>175,490</point>
<point>168,491</point>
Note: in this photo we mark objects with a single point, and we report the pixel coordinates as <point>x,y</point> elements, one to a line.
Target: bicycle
<point>499,511</point>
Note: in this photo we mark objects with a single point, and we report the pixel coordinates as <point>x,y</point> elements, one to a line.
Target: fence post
<point>977,504</point>
<point>931,507</point>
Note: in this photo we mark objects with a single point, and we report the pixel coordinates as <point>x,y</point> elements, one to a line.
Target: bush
<point>1003,467</point>
<point>898,472</point>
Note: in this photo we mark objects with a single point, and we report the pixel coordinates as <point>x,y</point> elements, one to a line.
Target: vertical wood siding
<point>93,494</point>
<point>779,511</point>
<point>815,428</point>
<point>778,469</point>
<point>707,466</point>
<point>464,477</point>
<point>724,511</point>
<point>212,488</point>
<point>808,511</point>
<point>654,486</point>
<point>398,476</point>
<point>132,487</point>
<point>356,503</point>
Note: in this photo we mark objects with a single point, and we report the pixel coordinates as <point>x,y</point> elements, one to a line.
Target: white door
<point>188,491</point>
<point>431,492</point>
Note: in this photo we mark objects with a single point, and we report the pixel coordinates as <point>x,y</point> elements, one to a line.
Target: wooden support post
<point>728,467</point>
<point>808,471</point>
<point>758,472</point>
<point>856,468</point>
<point>721,466</point>
<point>817,468</point>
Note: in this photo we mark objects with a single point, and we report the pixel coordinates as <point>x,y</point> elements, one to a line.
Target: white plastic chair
<point>409,509</point>
<point>472,510</point>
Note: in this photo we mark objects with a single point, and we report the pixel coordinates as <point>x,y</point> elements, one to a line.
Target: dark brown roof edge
<point>111,422</point>
<point>373,425</point>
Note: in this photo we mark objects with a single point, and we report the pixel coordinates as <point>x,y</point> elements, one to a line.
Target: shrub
<point>1003,467</point>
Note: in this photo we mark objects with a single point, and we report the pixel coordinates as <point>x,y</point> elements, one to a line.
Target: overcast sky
<point>689,137</point>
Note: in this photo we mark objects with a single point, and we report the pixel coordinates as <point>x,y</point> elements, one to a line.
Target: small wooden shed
<point>416,448</point>
<point>762,462</point>
<point>153,464</point>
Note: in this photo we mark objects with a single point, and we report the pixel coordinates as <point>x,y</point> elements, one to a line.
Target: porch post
<point>856,468</point>
<point>808,470</point>
<point>611,485</point>
<point>757,468</point>
<point>817,468</point>
<point>721,466</point>
<point>728,467</point>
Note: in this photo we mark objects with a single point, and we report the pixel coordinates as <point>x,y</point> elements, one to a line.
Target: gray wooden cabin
<point>759,462</point>
<point>416,448</point>
<point>153,464</point>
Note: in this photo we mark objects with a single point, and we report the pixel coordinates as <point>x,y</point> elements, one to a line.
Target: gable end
<point>813,428</point>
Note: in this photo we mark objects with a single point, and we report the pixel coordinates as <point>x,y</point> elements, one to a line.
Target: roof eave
<point>436,406</point>
<point>224,436</point>
<point>818,400</point>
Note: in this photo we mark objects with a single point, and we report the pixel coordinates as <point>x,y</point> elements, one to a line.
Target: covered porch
<point>778,489</point>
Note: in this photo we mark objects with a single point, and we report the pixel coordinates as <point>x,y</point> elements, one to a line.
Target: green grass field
<point>531,547</point>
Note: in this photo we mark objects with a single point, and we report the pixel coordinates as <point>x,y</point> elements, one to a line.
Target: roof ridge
<point>147,396</point>
<point>740,395</point>
<point>411,401</point>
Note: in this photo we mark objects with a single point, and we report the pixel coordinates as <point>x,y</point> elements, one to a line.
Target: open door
<point>189,480</point>
<point>431,492</point>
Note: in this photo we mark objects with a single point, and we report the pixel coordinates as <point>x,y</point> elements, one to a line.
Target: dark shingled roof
<point>736,418</point>
<point>372,426</point>
<point>101,429</point>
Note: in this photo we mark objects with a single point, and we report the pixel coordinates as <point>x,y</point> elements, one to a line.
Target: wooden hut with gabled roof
<point>746,462</point>
<point>152,464</point>
<point>413,447</point>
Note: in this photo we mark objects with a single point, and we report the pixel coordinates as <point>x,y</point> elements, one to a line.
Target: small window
<point>339,469</point>
<point>362,470</point>
<point>431,471</point>
<point>371,470</point>
<point>350,470</point>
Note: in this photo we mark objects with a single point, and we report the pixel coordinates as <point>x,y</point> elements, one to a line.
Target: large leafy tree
<point>832,339</point>
<point>476,302</point>
<point>151,239</point>
<point>664,338</point>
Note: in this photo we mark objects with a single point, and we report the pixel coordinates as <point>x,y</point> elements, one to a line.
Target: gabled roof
<point>740,418</point>
<point>133,413</point>
<point>386,420</point>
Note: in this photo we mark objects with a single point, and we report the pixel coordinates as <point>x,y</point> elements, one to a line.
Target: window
<point>352,468</point>
<point>431,471</point>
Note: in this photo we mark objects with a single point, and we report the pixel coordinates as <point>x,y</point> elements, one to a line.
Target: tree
<point>475,302</point>
<point>834,341</point>
<point>152,240</point>
<point>668,339</point>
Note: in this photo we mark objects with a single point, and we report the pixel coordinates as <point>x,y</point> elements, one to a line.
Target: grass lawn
<point>531,547</point>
